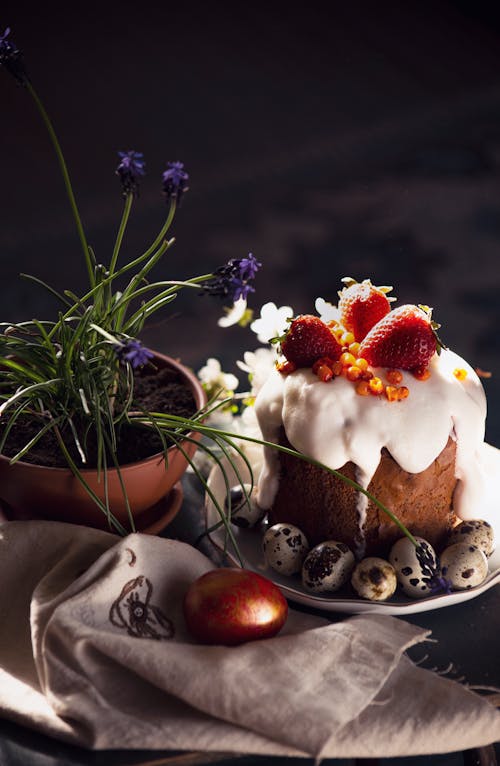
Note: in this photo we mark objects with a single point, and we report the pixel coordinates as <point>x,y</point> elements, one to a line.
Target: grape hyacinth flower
<point>129,170</point>
<point>439,584</point>
<point>12,58</point>
<point>246,269</point>
<point>133,352</point>
<point>431,571</point>
<point>175,181</point>
<point>231,281</point>
<point>249,267</point>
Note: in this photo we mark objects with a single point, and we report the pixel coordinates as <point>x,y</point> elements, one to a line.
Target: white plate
<point>249,542</point>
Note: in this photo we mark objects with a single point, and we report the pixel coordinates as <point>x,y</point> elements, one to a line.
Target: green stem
<point>106,510</point>
<point>121,231</point>
<point>106,281</point>
<point>28,390</point>
<point>67,182</point>
<point>164,229</point>
<point>150,306</point>
<point>228,436</point>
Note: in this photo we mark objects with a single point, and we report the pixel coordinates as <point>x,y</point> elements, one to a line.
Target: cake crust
<point>326,508</point>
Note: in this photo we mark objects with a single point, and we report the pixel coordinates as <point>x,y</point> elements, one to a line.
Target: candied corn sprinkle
<point>394,377</point>
<point>376,386</point>
<point>391,393</point>
<point>347,338</point>
<point>286,368</point>
<point>353,372</point>
<point>421,373</point>
<point>363,388</point>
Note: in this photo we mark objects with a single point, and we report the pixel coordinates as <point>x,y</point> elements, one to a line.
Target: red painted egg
<point>231,606</point>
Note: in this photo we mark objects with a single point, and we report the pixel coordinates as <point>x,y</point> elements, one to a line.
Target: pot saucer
<point>151,522</point>
<point>156,518</point>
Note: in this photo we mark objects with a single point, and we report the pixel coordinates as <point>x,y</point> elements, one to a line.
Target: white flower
<point>258,365</point>
<point>327,311</point>
<point>242,425</point>
<point>247,425</point>
<point>235,314</point>
<point>272,321</point>
<point>213,379</point>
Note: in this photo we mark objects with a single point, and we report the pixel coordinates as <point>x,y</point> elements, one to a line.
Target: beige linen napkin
<point>94,650</point>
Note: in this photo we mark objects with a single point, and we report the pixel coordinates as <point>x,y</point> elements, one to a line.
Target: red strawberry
<point>307,339</point>
<point>404,338</point>
<point>361,306</point>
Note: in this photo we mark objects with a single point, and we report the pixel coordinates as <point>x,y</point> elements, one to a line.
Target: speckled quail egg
<point>285,548</point>
<point>414,568</point>
<point>245,511</point>
<point>475,532</point>
<point>374,579</point>
<point>464,565</point>
<point>327,566</point>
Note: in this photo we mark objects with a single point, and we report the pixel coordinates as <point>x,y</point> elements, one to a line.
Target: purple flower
<point>431,570</point>
<point>131,167</point>
<point>439,584</point>
<point>133,352</point>
<point>12,58</point>
<point>241,288</point>
<point>175,181</point>
<point>249,267</point>
<point>231,281</point>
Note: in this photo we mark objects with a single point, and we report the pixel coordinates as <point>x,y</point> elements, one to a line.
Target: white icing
<point>333,424</point>
<point>489,509</point>
<point>362,512</point>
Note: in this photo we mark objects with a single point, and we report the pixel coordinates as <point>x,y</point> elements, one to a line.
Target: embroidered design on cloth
<point>133,612</point>
<point>133,557</point>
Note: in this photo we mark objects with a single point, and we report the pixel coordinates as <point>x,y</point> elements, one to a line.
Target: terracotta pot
<point>32,491</point>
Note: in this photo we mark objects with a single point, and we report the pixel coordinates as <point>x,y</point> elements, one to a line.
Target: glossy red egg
<point>231,606</point>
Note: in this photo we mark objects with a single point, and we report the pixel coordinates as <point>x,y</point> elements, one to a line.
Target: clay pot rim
<point>200,400</point>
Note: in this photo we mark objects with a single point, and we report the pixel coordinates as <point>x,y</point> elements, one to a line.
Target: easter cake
<point>373,395</point>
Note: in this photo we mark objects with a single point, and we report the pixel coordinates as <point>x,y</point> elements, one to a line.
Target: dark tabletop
<point>361,140</point>
<point>464,646</point>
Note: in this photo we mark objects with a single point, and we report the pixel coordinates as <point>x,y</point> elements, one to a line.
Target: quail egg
<point>374,579</point>
<point>464,565</point>
<point>327,566</point>
<point>285,547</point>
<point>414,568</point>
<point>475,532</point>
<point>245,511</point>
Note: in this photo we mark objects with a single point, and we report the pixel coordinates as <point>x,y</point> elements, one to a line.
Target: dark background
<point>362,139</point>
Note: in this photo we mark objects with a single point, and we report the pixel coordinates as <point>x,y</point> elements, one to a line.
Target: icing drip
<point>361,509</point>
<point>331,423</point>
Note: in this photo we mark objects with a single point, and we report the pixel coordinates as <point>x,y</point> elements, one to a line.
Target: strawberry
<point>362,305</point>
<point>405,338</point>
<point>307,339</point>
